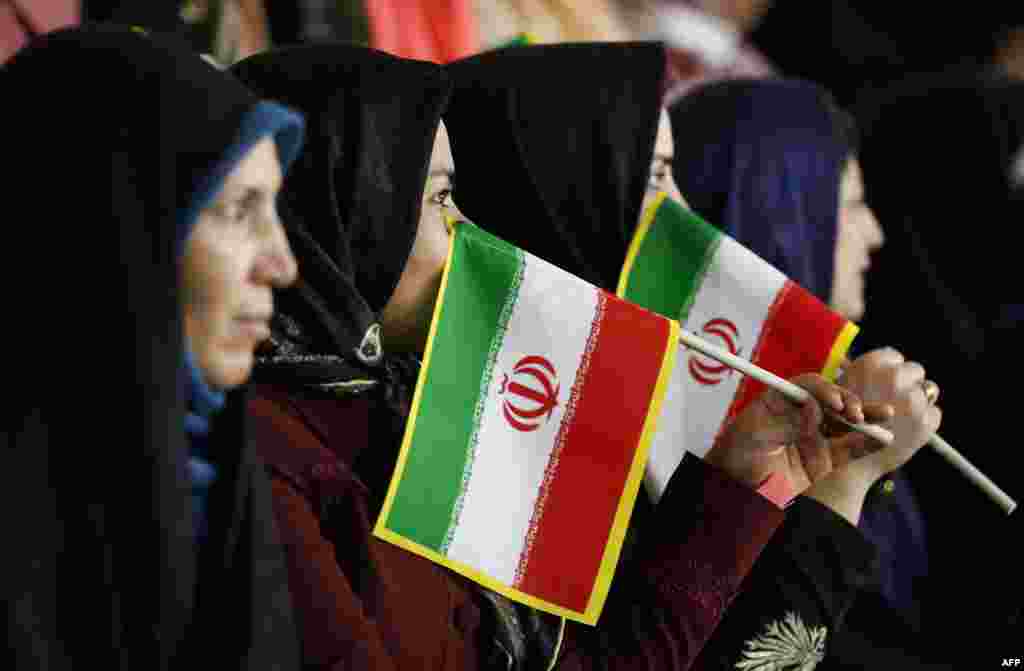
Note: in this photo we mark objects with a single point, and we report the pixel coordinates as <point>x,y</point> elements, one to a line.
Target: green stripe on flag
<point>520,40</point>
<point>673,259</point>
<point>484,273</point>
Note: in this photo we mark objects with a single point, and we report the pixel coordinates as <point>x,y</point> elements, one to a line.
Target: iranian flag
<point>528,436</point>
<point>684,268</point>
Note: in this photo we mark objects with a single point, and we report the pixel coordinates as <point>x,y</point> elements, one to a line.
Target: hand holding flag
<point>775,437</point>
<point>684,268</point>
<point>886,375</point>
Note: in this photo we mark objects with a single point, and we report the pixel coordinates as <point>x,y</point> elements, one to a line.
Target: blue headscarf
<point>762,161</point>
<point>264,120</point>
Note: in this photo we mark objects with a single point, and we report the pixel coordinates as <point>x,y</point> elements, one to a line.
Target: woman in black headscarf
<point>365,210</point>
<point>158,190</point>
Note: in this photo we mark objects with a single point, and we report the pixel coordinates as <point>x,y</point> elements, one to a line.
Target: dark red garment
<point>365,604</point>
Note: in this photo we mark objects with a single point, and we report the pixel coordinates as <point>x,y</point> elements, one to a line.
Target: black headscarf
<point>937,154</point>
<point>101,564</point>
<point>352,202</point>
<point>937,157</point>
<point>553,146</point>
<point>762,160</point>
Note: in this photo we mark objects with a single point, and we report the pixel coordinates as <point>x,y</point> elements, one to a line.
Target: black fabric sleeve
<point>796,595</point>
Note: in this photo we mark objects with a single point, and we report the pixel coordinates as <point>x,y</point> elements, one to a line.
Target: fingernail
<point>837,401</point>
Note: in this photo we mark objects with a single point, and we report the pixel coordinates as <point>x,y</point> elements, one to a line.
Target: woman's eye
<point>242,216</point>
<point>443,198</point>
<point>229,212</point>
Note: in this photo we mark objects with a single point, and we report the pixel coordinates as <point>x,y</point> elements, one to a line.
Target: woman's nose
<point>277,265</point>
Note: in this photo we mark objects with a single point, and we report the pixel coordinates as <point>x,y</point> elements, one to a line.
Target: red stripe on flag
<point>797,337</point>
<point>594,451</point>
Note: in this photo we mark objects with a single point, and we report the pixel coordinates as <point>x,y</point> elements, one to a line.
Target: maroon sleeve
<point>360,603</point>
<point>334,626</point>
<point>667,599</point>
<point>335,630</point>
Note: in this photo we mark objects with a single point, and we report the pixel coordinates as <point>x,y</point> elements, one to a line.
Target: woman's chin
<point>852,310</point>
<point>228,368</point>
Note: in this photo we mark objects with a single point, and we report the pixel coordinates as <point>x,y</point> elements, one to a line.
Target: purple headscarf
<point>762,161</point>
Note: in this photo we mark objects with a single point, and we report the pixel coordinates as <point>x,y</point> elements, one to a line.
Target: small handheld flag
<point>684,268</point>
<point>527,440</point>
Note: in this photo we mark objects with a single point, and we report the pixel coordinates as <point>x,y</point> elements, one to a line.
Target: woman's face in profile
<point>406,317</point>
<point>661,179</point>
<point>235,256</point>
<point>858,235</point>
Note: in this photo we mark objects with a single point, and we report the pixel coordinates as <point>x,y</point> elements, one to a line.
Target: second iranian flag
<point>684,268</point>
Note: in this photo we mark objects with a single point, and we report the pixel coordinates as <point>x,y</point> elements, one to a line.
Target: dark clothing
<point>955,281</point>
<point>553,146</point>
<point>849,46</point>
<point>104,570</point>
<point>243,611</point>
<point>798,593</point>
<point>370,605</point>
<point>962,330</point>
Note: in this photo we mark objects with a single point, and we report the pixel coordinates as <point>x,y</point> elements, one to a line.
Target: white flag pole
<point>881,434</point>
<point>972,473</point>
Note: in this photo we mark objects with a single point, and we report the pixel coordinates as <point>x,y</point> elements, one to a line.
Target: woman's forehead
<point>441,160</point>
<point>259,169</point>
<point>663,145</point>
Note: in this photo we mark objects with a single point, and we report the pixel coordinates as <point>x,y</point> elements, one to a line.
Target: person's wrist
<point>852,481</point>
<point>726,456</point>
<point>844,491</point>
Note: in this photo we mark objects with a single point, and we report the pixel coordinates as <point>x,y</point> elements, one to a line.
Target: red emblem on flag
<point>708,371</point>
<point>531,393</point>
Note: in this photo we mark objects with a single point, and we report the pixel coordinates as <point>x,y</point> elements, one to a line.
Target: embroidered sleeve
<point>784,644</point>
<point>795,596</point>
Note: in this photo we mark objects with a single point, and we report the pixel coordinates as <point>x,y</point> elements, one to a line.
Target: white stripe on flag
<point>738,291</point>
<point>552,318</point>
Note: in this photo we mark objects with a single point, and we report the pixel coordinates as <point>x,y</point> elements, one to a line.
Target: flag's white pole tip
<point>1001,498</point>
